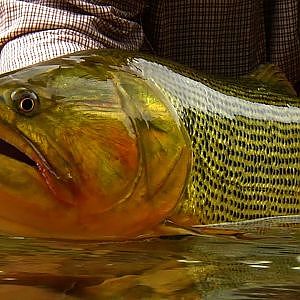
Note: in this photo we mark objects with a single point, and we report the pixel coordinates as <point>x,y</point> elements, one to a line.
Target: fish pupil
<point>27,104</point>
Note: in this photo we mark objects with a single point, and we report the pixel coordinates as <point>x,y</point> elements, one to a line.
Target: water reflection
<point>205,267</point>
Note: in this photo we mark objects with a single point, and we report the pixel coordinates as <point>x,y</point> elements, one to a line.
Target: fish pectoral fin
<point>167,229</point>
<point>170,228</point>
<point>272,75</point>
<point>217,231</point>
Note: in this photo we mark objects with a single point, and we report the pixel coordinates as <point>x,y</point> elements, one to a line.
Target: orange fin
<point>169,228</point>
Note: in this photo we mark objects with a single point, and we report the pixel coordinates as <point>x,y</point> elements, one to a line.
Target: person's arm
<point>34,31</point>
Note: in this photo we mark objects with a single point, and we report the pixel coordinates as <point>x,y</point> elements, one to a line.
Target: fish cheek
<point>24,197</point>
<point>104,156</point>
<point>119,167</point>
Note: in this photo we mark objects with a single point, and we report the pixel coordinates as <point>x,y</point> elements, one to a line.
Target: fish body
<point>245,141</point>
<point>113,144</point>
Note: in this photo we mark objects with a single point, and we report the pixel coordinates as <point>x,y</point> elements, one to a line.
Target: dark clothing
<point>228,37</point>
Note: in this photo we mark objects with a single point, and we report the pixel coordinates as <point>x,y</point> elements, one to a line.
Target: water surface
<point>264,264</point>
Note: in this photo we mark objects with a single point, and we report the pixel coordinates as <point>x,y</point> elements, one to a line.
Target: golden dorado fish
<point>110,145</point>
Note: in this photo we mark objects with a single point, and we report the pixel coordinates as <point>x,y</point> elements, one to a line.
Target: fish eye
<point>25,101</point>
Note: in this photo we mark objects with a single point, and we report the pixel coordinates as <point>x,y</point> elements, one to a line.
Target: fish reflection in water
<point>263,264</point>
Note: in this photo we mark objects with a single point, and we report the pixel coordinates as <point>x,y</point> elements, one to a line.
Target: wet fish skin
<point>245,139</point>
<point>124,141</point>
<point>98,135</point>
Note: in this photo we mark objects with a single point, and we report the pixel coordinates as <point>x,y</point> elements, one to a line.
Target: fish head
<point>88,150</point>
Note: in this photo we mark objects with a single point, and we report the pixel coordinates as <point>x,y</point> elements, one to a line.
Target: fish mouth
<point>13,152</point>
<point>14,145</point>
<point>22,154</point>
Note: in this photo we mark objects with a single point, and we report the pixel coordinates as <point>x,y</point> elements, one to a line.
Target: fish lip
<point>23,144</point>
